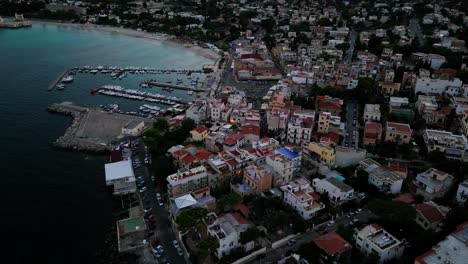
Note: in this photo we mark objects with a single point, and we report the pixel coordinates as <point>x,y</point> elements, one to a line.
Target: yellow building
<point>199,133</point>
<point>325,153</point>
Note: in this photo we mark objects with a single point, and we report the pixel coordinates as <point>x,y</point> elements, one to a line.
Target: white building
<point>454,146</point>
<point>198,112</point>
<point>428,85</point>
<point>433,183</point>
<point>454,249</point>
<point>337,191</point>
<point>281,166</point>
<point>462,192</point>
<point>300,127</point>
<point>299,195</point>
<point>121,176</point>
<point>371,113</point>
<point>374,239</point>
<point>387,181</point>
<point>227,229</point>
<point>346,156</point>
<point>187,180</point>
<point>133,128</point>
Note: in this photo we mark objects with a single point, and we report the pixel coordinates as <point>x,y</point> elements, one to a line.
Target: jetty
<point>131,70</point>
<point>18,22</point>
<point>92,129</point>
<point>57,80</point>
<point>118,91</point>
<point>174,86</point>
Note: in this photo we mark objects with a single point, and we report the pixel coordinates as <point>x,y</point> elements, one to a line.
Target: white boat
<point>67,79</point>
<point>60,87</point>
<point>190,92</point>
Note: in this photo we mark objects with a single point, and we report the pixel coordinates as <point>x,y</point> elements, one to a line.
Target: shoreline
<point>163,38</point>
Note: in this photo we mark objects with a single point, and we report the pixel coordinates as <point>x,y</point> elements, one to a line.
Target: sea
<point>55,207</point>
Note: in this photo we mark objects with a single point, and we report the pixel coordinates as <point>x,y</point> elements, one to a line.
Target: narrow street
<point>351,138</point>
<point>163,231</point>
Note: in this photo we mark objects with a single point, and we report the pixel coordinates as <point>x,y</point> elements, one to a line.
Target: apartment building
<point>227,229</point>
<point>453,249</point>
<point>300,127</point>
<point>374,239</point>
<point>433,183</point>
<point>372,133</point>
<point>186,180</point>
<point>462,192</point>
<point>398,133</point>
<point>322,153</point>
<point>454,146</point>
<point>301,197</point>
<point>428,86</point>
<point>382,178</point>
<point>371,113</point>
<point>281,166</point>
<point>277,118</point>
<point>329,123</point>
<point>258,178</point>
<point>338,192</point>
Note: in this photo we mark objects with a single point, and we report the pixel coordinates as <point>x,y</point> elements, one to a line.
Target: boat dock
<point>118,91</point>
<point>57,81</point>
<point>19,22</point>
<point>174,86</point>
<point>132,70</point>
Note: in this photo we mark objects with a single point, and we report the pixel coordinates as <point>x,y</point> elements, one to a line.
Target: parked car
<point>143,189</point>
<point>175,243</point>
<point>331,223</point>
<point>179,251</point>
<point>158,195</point>
<point>291,242</point>
<point>149,209</point>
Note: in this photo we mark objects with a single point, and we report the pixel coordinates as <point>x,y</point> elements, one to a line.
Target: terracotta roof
<point>405,198</point>
<point>200,129</point>
<point>333,244</point>
<point>399,127</point>
<point>242,209</point>
<point>251,56</point>
<point>329,105</point>
<point>432,214</point>
<point>250,129</point>
<point>372,126</point>
<point>241,220</point>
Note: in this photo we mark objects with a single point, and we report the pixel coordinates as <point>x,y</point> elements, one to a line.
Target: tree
<point>249,235</point>
<point>395,214</point>
<point>207,245</point>
<point>187,125</point>
<point>227,201</point>
<point>187,219</point>
<point>161,124</point>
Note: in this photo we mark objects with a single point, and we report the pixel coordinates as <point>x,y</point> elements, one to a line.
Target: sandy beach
<point>160,37</point>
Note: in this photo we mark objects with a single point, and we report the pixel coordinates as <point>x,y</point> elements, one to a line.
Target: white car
<point>175,243</point>
<point>331,223</point>
<point>160,202</point>
<point>143,189</point>
<point>158,195</point>
<point>179,251</point>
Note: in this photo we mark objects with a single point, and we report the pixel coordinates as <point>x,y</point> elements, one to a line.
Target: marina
<point>116,71</point>
<point>57,81</point>
<point>119,91</point>
<point>173,86</point>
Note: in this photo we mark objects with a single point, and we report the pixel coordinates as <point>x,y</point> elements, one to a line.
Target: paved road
<point>352,125</point>
<point>273,255</point>
<point>352,43</point>
<point>414,30</point>
<point>163,231</point>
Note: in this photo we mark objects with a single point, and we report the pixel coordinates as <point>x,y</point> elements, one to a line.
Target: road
<point>162,230</point>
<point>351,138</point>
<point>352,43</point>
<point>414,30</point>
<point>273,255</point>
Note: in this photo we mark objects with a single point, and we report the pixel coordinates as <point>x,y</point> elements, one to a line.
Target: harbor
<point>173,86</point>
<point>57,81</point>
<point>18,22</point>
<point>119,91</point>
<point>92,129</point>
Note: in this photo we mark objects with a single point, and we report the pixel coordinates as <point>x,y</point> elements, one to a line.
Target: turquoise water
<point>55,207</point>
